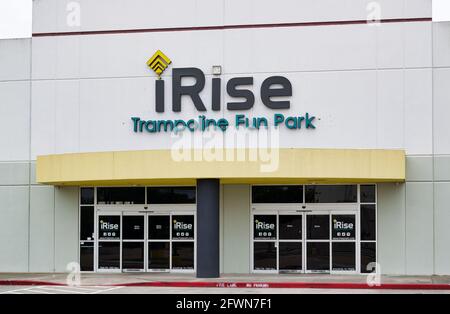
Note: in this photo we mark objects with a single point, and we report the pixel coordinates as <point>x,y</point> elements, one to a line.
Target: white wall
<point>371,87</point>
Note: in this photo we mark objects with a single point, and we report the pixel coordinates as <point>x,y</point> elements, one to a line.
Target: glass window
<point>130,195</point>
<point>318,227</point>
<point>183,255</point>
<point>159,227</point>
<point>87,256</point>
<point>183,227</point>
<point>171,195</point>
<point>290,227</point>
<point>344,256</point>
<point>87,196</point>
<point>264,256</point>
<point>133,255</point>
<point>368,256</point>
<point>265,227</point>
<point>87,222</point>
<point>368,222</point>
<point>109,255</point>
<point>290,255</point>
<point>318,256</point>
<point>277,194</point>
<point>367,193</point>
<point>133,227</point>
<point>109,227</point>
<point>331,194</point>
<point>343,227</point>
<point>158,255</point>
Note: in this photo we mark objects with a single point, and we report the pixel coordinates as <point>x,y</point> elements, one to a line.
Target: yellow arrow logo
<point>159,62</point>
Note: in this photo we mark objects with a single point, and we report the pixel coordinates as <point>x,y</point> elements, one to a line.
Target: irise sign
<point>271,89</point>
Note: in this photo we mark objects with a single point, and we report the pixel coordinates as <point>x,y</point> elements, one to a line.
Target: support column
<point>208,256</point>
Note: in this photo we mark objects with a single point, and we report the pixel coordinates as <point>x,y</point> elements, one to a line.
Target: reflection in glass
<point>109,255</point>
<point>87,196</point>
<point>133,255</point>
<point>368,223</point>
<point>318,256</point>
<point>87,222</point>
<point>172,195</point>
<point>344,256</point>
<point>368,255</point>
<point>331,194</point>
<point>277,194</point>
<point>290,256</point>
<point>158,255</point>
<point>121,195</point>
<point>87,256</point>
<point>290,227</point>
<point>367,193</point>
<point>183,255</point>
<point>264,256</point>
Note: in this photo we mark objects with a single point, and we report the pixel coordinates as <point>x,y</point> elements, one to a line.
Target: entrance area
<point>138,230</point>
<point>314,242</point>
<point>137,242</point>
<point>298,229</point>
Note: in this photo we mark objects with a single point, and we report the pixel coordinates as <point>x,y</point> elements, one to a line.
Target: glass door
<point>133,242</point>
<point>318,242</point>
<point>159,242</point>
<point>343,244</point>
<point>183,242</point>
<point>290,242</point>
<point>109,242</point>
<point>265,246</point>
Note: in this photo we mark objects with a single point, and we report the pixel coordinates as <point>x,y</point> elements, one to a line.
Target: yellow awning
<point>167,167</point>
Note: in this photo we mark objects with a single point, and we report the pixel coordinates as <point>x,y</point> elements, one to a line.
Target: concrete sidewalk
<point>124,279</point>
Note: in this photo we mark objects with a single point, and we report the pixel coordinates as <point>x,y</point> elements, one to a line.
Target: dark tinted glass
<point>290,227</point>
<point>158,255</point>
<point>158,227</point>
<point>318,227</point>
<point>343,227</point>
<point>87,196</point>
<point>344,256</point>
<point>367,193</point>
<point>133,255</point>
<point>87,256</point>
<point>87,222</point>
<point>318,256</point>
<point>265,227</point>
<point>331,194</point>
<point>277,194</point>
<point>109,227</point>
<point>109,255</point>
<point>368,223</point>
<point>131,195</point>
<point>171,195</point>
<point>183,227</point>
<point>368,255</point>
<point>264,256</point>
<point>290,256</point>
<point>182,255</point>
<point>133,227</point>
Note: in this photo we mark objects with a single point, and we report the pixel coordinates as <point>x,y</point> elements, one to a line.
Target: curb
<point>259,285</point>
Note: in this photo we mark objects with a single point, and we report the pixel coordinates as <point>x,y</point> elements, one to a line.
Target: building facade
<point>220,137</point>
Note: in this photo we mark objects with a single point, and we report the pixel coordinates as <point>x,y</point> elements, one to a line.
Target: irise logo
<point>159,62</point>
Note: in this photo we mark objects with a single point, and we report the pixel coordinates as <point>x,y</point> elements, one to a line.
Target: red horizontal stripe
<point>260,285</point>
<point>225,27</point>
